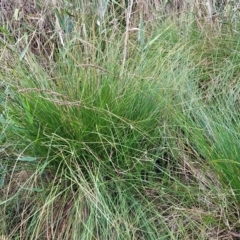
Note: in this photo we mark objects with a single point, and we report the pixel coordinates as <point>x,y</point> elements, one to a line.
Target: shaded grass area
<point>127,132</point>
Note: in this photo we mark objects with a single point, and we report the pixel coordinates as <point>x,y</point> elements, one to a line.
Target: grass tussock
<point>117,123</point>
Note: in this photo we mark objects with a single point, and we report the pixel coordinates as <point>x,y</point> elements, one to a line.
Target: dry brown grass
<point>36,25</point>
<point>31,25</point>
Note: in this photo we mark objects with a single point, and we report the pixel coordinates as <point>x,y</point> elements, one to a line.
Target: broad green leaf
<point>16,14</point>
<point>34,189</point>
<point>27,159</point>
<point>2,178</point>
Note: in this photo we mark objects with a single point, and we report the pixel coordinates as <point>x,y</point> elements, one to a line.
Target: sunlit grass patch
<point>118,127</point>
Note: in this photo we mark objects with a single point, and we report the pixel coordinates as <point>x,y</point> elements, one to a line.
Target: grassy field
<point>119,121</point>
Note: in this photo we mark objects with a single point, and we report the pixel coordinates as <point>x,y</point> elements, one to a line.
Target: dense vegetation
<point>119,120</point>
